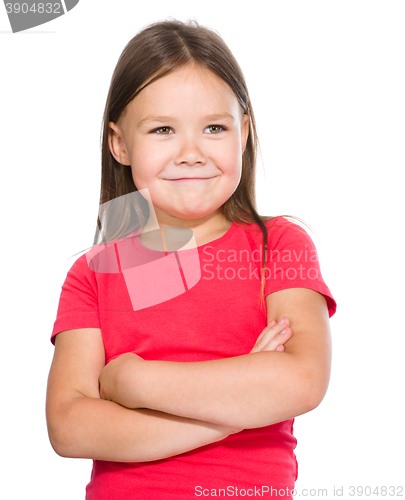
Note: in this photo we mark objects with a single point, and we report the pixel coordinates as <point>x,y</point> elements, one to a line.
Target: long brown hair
<point>158,49</point>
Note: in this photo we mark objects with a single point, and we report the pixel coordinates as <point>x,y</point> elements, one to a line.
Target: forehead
<point>188,90</point>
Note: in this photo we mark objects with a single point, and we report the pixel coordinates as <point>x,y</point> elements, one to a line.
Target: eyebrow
<point>160,119</point>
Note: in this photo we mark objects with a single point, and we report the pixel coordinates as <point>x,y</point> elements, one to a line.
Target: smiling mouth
<point>188,179</point>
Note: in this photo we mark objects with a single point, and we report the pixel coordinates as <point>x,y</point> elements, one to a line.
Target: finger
<point>273,337</point>
<point>271,330</point>
<point>279,339</point>
<point>268,327</point>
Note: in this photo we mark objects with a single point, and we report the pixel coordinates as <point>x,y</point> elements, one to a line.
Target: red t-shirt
<point>212,313</point>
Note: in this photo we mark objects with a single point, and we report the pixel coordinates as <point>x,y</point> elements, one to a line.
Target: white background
<point>326,80</point>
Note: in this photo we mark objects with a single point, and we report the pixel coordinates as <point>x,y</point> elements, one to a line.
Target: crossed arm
<point>253,390</point>
<point>88,419</point>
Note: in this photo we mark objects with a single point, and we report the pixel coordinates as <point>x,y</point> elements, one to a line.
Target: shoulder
<point>81,276</point>
<point>283,232</point>
<point>282,225</point>
<point>280,232</point>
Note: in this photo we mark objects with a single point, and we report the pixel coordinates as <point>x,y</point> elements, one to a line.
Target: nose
<point>190,153</point>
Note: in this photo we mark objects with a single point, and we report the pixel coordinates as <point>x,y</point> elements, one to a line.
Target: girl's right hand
<point>271,338</point>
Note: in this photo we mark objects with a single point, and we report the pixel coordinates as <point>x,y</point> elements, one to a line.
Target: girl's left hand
<point>274,336</point>
<point>110,388</point>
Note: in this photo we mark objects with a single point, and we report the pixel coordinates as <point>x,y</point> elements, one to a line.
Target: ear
<point>244,131</point>
<point>117,145</point>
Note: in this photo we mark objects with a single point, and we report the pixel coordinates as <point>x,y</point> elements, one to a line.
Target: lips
<point>190,179</point>
<point>193,181</point>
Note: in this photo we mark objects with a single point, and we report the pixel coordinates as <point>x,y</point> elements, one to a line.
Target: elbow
<point>314,390</point>
<point>59,435</point>
<point>57,442</point>
<point>313,398</point>
<point>64,447</point>
<point>58,448</point>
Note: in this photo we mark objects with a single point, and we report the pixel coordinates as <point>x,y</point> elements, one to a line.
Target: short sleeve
<point>78,302</point>
<point>292,261</point>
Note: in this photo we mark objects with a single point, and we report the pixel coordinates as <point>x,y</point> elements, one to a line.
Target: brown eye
<point>215,129</point>
<point>162,130</point>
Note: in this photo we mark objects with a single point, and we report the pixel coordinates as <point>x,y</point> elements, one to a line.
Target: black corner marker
<point>26,14</point>
<point>70,4</point>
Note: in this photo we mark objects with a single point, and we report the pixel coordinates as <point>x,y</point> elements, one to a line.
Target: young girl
<point>164,371</point>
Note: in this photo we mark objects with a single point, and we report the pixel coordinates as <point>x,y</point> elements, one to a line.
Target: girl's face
<point>186,125</point>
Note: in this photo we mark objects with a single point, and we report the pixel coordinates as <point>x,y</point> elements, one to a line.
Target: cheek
<point>232,164</point>
<point>145,165</point>
<point>230,154</point>
<point>234,171</point>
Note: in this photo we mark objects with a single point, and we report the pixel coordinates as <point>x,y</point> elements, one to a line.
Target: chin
<point>192,215</point>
